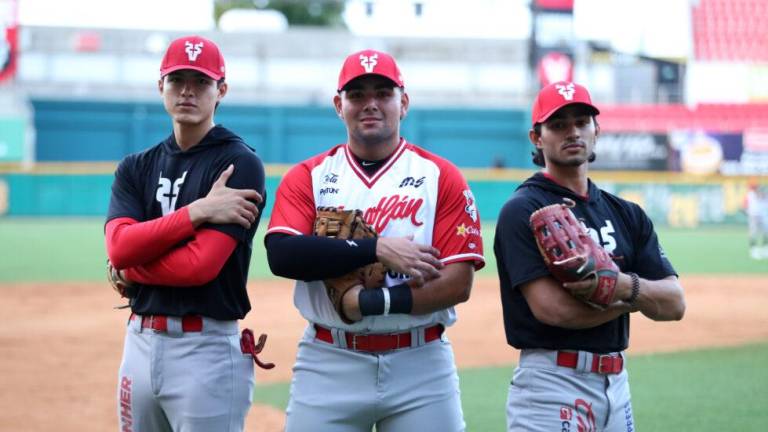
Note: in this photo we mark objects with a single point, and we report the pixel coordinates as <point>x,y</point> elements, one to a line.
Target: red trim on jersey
<point>295,209</point>
<point>370,181</point>
<point>455,233</point>
<point>131,243</point>
<point>196,263</point>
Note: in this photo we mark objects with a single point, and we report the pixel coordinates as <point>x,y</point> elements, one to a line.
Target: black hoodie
<point>620,226</point>
<point>155,182</point>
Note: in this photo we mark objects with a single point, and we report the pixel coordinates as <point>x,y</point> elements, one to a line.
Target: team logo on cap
<point>193,50</point>
<point>368,62</point>
<point>566,90</point>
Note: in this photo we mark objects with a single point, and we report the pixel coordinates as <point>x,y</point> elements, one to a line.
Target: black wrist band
<point>384,301</point>
<point>371,302</point>
<point>401,299</point>
<point>635,289</point>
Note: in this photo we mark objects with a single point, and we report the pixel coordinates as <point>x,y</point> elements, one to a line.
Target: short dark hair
<point>218,84</point>
<point>538,155</point>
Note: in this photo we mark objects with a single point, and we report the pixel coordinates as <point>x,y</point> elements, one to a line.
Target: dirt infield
<point>62,343</point>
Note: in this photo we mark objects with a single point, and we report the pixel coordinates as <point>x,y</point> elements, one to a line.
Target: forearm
<point>553,305</point>
<point>316,258</point>
<point>661,300</point>
<point>193,264</point>
<point>452,287</point>
<point>130,243</point>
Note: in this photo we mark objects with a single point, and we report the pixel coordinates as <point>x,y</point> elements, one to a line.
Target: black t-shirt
<point>153,183</point>
<point>620,226</point>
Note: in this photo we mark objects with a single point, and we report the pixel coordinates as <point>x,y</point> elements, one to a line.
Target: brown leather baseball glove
<point>348,225</point>
<point>125,288</point>
<point>572,255</point>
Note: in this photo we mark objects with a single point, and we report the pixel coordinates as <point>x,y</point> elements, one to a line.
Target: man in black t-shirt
<point>571,374</point>
<point>180,226</point>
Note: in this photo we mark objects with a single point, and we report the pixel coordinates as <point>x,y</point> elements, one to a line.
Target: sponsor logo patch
<point>465,230</point>
<point>329,191</point>
<point>410,181</point>
<point>470,208</point>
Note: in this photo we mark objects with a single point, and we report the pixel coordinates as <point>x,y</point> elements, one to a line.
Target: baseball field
<point>61,338</point>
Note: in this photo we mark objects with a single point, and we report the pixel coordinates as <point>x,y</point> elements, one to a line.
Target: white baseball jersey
<point>414,192</point>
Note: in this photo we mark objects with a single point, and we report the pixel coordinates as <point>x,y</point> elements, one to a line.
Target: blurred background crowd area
<point>682,86</point>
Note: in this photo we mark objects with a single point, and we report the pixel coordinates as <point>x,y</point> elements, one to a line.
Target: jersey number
<point>608,242</point>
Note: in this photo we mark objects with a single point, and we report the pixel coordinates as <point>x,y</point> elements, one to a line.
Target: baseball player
<point>388,362</point>
<point>181,220</point>
<point>756,204</point>
<point>572,374</point>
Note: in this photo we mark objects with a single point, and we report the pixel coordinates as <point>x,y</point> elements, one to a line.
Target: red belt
<point>379,342</point>
<point>189,323</point>
<point>601,363</point>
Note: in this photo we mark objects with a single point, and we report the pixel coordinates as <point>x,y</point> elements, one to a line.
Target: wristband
<point>635,289</point>
<point>371,302</point>
<point>385,301</point>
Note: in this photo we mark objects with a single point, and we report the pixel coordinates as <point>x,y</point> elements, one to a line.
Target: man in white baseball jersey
<point>393,367</point>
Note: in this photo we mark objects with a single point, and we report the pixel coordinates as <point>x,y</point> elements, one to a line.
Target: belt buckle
<point>354,341</point>
<point>605,364</point>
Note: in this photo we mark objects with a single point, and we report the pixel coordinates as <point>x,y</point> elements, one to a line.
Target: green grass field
<point>73,250</point>
<point>710,390</point>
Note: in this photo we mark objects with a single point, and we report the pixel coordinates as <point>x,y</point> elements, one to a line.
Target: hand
<point>403,255</point>
<point>224,205</point>
<point>350,303</point>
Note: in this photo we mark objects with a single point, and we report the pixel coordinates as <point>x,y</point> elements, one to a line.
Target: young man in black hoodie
<point>179,232</point>
<point>571,374</point>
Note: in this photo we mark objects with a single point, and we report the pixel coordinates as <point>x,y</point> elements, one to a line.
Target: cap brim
<point>207,72</point>
<point>394,83</point>
<point>546,116</point>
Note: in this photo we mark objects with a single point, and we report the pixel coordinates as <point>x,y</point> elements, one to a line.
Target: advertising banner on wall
<point>734,154</point>
<point>631,151</point>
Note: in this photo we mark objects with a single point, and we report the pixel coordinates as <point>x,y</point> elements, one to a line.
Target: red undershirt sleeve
<point>196,263</point>
<point>131,243</point>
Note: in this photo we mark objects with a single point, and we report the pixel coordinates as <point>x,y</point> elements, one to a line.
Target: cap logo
<point>368,62</point>
<point>566,91</point>
<point>193,50</point>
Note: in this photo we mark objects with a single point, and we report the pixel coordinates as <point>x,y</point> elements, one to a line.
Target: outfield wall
<point>670,199</point>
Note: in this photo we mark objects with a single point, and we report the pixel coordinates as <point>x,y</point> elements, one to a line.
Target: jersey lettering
<point>605,238</point>
<point>166,194</point>
<point>393,207</point>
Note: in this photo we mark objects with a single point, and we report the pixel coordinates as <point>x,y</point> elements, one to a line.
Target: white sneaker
<point>755,253</point>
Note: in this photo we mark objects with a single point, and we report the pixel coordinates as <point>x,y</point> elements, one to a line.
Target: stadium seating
<point>730,30</point>
<point>663,118</point>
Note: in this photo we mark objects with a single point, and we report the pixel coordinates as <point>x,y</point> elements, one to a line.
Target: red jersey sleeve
<point>457,222</point>
<point>130,243</point>
<point>196,263</point>
<point>294,210</point>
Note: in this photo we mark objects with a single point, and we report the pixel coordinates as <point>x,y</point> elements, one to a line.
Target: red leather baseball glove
<point>572,255</point>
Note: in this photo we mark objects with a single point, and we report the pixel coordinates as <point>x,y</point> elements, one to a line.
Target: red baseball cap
<point>196,53</point>
<point>557,95</point>
<point>371,62</point>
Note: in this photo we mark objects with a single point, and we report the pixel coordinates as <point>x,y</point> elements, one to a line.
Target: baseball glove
<point>347,225</point>
<point>572,255</point>
<point>118,283</point>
